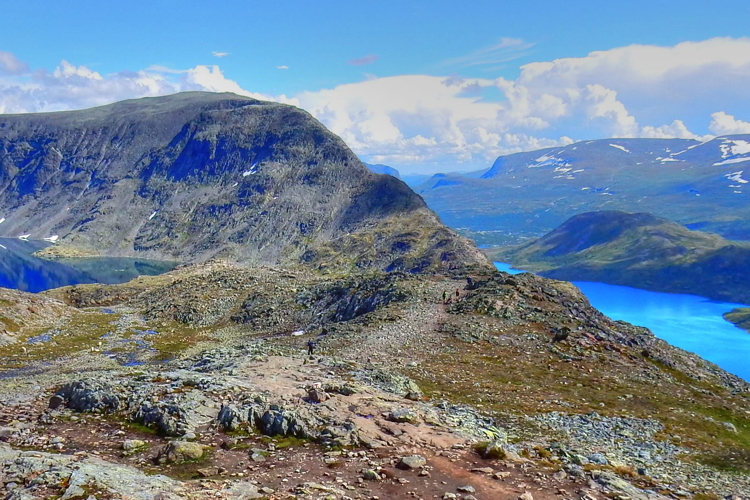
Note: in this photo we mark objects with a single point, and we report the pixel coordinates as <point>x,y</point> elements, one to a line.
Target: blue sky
<point>425,86</point>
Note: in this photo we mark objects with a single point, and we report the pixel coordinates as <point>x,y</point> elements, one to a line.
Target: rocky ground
<point>195,384</point>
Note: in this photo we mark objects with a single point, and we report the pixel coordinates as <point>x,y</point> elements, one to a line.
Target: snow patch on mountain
<point>730,161</point>
<point>732,147</point>
<point>622,148</point>
<point>548,161</point>
<point>736,177</point>
<point>253,169</point>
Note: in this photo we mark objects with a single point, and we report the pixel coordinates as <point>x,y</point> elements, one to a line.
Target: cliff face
<point>197,175</point>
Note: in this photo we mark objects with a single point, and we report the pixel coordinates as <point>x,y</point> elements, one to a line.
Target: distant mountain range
<point>383,169</point>
<point>638,250</point>
<point>703,185</point>
<point>197,175</point>
<point>413,180</point>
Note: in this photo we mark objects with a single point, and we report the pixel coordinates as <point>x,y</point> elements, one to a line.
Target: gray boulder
<point>88,396</point>
<point>182,451</point>
<point>411,462</point>
<point>162,418</point>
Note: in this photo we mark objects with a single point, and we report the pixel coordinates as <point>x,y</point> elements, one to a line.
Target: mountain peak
<point>197,175</point>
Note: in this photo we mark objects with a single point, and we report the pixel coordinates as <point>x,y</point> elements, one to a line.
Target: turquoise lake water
<point>690,322</point>
<point>21,270</point>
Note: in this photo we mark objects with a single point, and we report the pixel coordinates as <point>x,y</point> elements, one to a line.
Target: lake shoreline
<point>739,317</point>
<point>690,322</point>
<point>22,269</point>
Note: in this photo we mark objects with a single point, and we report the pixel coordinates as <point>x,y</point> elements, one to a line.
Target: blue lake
<point>21,270</point>
<point>690,322</point>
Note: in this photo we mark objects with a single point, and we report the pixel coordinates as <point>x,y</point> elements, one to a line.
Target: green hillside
<point>638,250</point>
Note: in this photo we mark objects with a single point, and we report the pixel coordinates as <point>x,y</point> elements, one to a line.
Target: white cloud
<point>408,120</point>
<point>676,129</point>
<point>75,87</point>
<point>655,84</point>
<point>282,67</point>
<point>634,91</point>
<point>220,54</point>
<point>423,119</point>
<point>724,124</point>
<point>11,65</point>
<point>211,78</point>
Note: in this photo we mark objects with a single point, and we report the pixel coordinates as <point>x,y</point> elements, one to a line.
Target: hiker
<point>310,347</point>
<point>457,293</point>
<point>445,295</point>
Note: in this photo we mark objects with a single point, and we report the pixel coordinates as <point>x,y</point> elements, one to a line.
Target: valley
<point>432,374</point>
<point>185,357</point>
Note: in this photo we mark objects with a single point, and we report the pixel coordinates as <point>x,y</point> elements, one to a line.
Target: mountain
<point>383,169</point>
<point>196,175</point>
<point>198,382</point>
<point>638,250</point>
<point>525,195</point>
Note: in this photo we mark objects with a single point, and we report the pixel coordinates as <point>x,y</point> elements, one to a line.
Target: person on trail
<point>445,295</point>
<point>310,347</point>
<point>457,293</point>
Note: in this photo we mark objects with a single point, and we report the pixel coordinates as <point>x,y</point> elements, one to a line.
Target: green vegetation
<point>740,317</point>
<point>637,250</point>
<point>506,380</point>
<point>81,333</point>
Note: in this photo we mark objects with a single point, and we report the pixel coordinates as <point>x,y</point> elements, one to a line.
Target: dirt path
<point>414,334</point>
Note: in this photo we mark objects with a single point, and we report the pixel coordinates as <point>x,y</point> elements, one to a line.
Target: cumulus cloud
<point>654,83</point>
<point>220,54</point>
<point>724,124</point>
<point>687,91</point>
<point>676,129</point>
<point>422,119</point>
<point>633,91</point>
<point>74,87</point>
<point>361,61</point>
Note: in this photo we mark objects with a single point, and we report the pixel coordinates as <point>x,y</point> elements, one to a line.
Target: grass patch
<point>80,333</point>
<point>528,377</point>
<point>9,324</point>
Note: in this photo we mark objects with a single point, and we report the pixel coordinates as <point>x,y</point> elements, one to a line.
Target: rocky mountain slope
<point>638,250</point>
<point>195,176</point>
<point>700,185</point>
<point>193,384</point>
